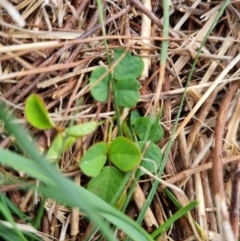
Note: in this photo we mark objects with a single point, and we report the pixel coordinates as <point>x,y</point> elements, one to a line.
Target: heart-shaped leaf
<point>94,159</point>
<point>152,157</point>
<point>82,129</point>
<point>143,124</point>
<point>58,146</point>
<point>106,184</point>
<point>99,89</point>
<point>124,154</point>
<point>127,92</point>
<point>36,113</point>
<point>129,67</point>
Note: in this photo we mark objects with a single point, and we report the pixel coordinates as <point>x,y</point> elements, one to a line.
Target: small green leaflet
<point>81,129</point>
<point>125,76</point>
<point>134,116</point>
<point>36,113</point>
<point>129,67</point>
<point>99,89</point>
<point>94,159</point>
<point>143,124</point>
<point>106,184</point>
<point>127,92</point>
<point>58,146</point>
<point>124,154</point>
<point>152,157</point>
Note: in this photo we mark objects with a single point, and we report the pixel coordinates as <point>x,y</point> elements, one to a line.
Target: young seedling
<point>124,154</point>
<point>37,116</point>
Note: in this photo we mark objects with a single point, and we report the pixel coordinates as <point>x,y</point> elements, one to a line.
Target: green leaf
<point>127,92</point>
<point>129,67</point>
<point>152,157</point>
<point>99,89</point>
<point>36,113</point>
<point>59,145</point>
<point>124,154</point>
<point>82,129</point>
<point>106,184</point>
<point>134,116</point>
<point>145,126</point>
<point>94,159</point>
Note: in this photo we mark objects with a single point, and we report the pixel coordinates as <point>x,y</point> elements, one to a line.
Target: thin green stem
<point>116,107</point>
<point>39,214</point>
<point>130,191</point>
<point>149,135</point>
<point>121,189</point>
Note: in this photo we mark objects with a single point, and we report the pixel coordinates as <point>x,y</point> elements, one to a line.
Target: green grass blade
<point>31,168</point>
<point>39,214</point>
<point>164,227</point>
<point>8,217</point>
<point>119,219</point>
<point>14,209</point>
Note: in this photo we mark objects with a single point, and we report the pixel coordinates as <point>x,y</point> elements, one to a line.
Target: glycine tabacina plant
<point>122,152</point>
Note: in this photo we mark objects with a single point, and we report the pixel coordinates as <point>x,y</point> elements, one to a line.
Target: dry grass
<point>54,54</point>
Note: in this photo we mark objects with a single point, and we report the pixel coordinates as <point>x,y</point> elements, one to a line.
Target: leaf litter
<point>53,55</point>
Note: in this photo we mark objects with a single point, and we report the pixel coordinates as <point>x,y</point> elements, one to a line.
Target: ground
<point>188,85</point>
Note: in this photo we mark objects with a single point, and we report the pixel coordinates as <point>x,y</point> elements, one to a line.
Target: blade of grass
<point>39,214</point>
<point>178,205</point>
<point>14,209</point>
<point>32,151</point>
<point>7,234</point>
<point>164,227</point>
<point>123,222</point>
<point>8,217</point>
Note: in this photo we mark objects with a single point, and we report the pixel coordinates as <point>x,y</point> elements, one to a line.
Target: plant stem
<point>115,104</point>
